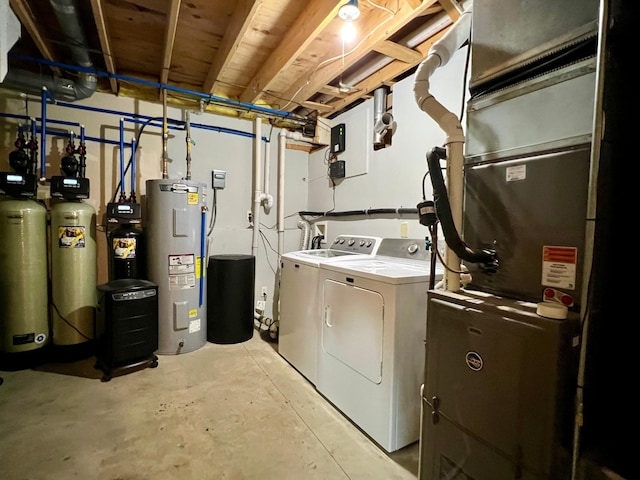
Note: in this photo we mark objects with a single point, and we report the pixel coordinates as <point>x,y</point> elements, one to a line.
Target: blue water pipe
<point>133,166</point>
<point>122,194</point>
<point>208,97</point>
<point>203,224</point>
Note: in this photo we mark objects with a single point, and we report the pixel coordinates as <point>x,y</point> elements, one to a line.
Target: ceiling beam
<point>169,39</point>
<point>310,23</point>
<point>105,42</point>
<point>452,8</point>
<point>380,25</point>
<point>383,76</point>
<point>27,19</point>
<point>242,18</point>
<point>397,51</point>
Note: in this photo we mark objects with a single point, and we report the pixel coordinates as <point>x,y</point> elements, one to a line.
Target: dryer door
<point>352,327</point>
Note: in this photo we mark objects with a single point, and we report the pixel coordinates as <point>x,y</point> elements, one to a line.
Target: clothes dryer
<point>372,334</point>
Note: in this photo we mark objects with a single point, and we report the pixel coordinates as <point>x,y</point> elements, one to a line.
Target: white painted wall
<point>394,175</point>
<point>212,150</point>
<point>388,178</point>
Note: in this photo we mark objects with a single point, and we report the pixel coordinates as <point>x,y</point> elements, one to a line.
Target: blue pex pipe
<point>210,98</point>
<point>202,259</point>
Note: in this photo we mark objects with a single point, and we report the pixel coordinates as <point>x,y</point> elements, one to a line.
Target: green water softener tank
<point>24,319</point>
<point>73,273</point>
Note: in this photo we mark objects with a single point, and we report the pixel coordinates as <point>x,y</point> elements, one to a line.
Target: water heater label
<point>194,326</point>
<point>71,236</point>
<point>179,264</point>
<point>192,198</point>
<point>182,270</point>
<point>559,266</point>
<point>124,247</point>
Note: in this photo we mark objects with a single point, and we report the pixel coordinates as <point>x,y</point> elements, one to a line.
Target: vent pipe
<point>383,123</point>
<point>66,12</point>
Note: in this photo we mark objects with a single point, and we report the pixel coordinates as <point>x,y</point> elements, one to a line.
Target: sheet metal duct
<point>85,85</point>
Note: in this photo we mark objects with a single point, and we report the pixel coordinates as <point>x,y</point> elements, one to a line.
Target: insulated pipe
<point>257,181</point>
<point>439,55</point>
<point>165,136</point>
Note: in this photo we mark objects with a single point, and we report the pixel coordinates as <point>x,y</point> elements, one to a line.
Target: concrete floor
<point>236,411</point>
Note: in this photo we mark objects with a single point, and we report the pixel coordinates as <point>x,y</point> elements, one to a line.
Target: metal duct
<point>85,85</point>
<point>382,120</point>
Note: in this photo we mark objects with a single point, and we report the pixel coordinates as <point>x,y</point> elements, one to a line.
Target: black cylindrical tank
<point>230,295</point>
<point>126,252</point>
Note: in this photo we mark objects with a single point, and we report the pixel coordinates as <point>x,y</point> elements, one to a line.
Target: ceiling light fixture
<point>349,11</point>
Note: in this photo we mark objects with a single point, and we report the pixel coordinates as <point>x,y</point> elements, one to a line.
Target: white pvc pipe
<point>439,55</point>
<point>257,181</point>
<point>282,145</point>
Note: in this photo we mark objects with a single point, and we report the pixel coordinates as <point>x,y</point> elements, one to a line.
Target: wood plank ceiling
<point>284,55</point>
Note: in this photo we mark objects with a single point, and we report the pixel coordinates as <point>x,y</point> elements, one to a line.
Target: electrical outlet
<point>263,291</point>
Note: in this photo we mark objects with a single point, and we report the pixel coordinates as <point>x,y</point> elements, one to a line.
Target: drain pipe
<point>257,182</point>
<point>265,198</point>
<point>439,55</point>
<point>282,146</point>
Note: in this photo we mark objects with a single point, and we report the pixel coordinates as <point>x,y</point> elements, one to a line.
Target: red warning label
<point>559,266</point>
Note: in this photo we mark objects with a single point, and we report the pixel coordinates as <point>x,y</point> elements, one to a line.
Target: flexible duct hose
<point>486,258</point>
<point>306,234</point>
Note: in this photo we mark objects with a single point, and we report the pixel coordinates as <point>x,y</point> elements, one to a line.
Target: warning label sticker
<point>559,266</point>
<point>71,237</point>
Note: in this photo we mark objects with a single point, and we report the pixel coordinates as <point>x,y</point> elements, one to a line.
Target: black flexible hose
<point>486,258</point>
<point>371,211</point>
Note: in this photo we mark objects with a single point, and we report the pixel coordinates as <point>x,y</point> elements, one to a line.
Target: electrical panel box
<point>218,179</point>
<point>337,169</point>
<point>338,134</point>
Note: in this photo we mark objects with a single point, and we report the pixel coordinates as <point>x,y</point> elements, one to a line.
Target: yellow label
<point>193,313</point>
<point>198,263</point>
<point>192,198</point>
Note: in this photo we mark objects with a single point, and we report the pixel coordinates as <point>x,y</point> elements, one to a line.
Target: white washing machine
<point>373,332</point>
<point>299,320</point>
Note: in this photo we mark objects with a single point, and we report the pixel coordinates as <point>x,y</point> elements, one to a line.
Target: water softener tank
<point>73,272</point>
<point>24,319</point>
<point>126,252</point>
<point>175,232</point>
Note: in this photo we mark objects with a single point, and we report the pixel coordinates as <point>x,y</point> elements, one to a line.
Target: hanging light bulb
<point>348,32</point>
<point>349,11</point>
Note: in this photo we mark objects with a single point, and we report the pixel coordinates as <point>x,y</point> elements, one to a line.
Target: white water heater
<point>175,229</point>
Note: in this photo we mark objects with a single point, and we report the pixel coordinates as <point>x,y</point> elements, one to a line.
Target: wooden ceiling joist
<point>397,51</point>
<point>169,39</point>
<point>105,42</point>
<point>25,15</point>
<point>380,25</point>
<point>384,75</point>
<point>314,18</point>
<point>243,17</point>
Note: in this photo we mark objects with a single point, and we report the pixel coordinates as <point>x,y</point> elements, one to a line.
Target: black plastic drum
<point>230,295</point>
